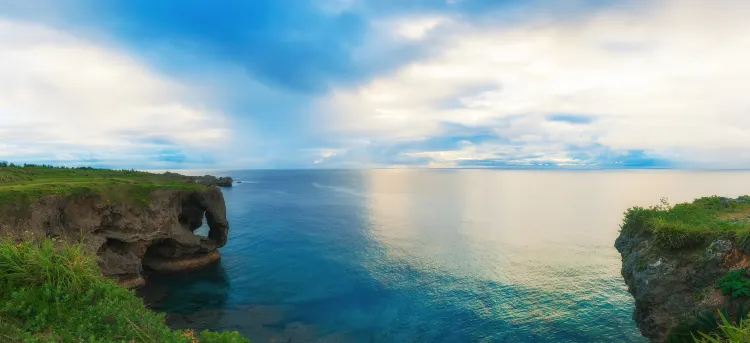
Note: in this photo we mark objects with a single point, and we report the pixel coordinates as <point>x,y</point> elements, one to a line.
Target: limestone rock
<point>123,235</point>
<point>669,286</point>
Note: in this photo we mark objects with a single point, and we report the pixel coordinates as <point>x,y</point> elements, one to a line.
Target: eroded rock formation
<point>130,237</point>
<point>670,286</point>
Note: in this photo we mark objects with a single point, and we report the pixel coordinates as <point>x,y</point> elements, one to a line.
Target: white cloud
<point>414,28</point>
<point>62,97</point>
<point>324,154</point>
<point>671,79</point>
<point>525,155</point>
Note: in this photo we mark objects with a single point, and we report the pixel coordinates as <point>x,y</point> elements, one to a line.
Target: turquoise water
<point>425,256</point>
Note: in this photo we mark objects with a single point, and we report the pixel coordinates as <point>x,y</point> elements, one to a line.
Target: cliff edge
<point>673,262</point>
<point>132,220</point>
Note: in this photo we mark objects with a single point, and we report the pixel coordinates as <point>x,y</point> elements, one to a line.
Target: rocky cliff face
<point>129,237</point>
<point>670,286</point>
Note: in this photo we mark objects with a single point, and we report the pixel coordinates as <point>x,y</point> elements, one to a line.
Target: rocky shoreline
<point>672,285</point>
<point>132,239</point>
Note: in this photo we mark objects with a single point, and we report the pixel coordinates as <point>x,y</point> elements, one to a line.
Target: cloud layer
<point>665,81</point>
<point>366,83</point>
<point>67,100</point>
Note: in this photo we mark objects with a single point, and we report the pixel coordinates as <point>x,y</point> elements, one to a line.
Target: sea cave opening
<point>164,248</point>
<point>193,218</point>
<point>204,229</point>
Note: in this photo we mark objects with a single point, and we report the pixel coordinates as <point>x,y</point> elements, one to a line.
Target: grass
<point>53,292</point>
<point>22,184</point>
<point>727,332</point>
<point>711,326</point>
<point>693,224</point>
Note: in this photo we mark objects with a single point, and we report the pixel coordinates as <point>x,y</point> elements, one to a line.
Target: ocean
<point>425,255</point>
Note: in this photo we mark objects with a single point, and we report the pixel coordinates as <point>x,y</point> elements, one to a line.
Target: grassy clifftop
<point>691,225</point>
<point>23,183</point>
<point>52,292</point>
<point>688,269</point>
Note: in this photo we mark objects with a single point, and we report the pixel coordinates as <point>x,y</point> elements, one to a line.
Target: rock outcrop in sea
<point>130,237</point>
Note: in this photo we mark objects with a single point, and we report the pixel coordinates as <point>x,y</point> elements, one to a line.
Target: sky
<point>238,84</point>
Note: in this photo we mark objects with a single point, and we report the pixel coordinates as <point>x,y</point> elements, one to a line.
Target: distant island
<point>687,268</point>
<point>72,240</point>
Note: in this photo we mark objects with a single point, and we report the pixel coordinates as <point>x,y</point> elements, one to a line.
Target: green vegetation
<point>707,323</point>
<point>686,233</point>
<point>21,184</point>
<point>735,283</point>
<point>53,292</point>
<point>692,224</point>
<point>726,332</point>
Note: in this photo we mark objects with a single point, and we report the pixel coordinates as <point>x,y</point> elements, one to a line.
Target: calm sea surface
<point>426,256</point>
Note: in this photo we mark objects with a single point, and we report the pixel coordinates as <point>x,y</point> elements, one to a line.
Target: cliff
<point>132,220</point>
<point>675,262</point>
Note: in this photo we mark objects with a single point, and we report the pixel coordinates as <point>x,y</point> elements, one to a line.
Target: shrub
<point>53,292</point>
<point>637,220</point>
<point>707,324</point>
<point>735,284</point>
<point>727,332</point>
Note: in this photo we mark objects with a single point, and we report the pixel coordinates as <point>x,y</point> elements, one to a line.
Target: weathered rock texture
<point>669,286</point>
<point>129,237</point>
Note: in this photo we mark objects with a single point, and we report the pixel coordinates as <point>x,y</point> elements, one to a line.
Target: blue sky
<point>375,83</point>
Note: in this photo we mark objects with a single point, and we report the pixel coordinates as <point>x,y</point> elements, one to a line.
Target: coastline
<point>101,228</point>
